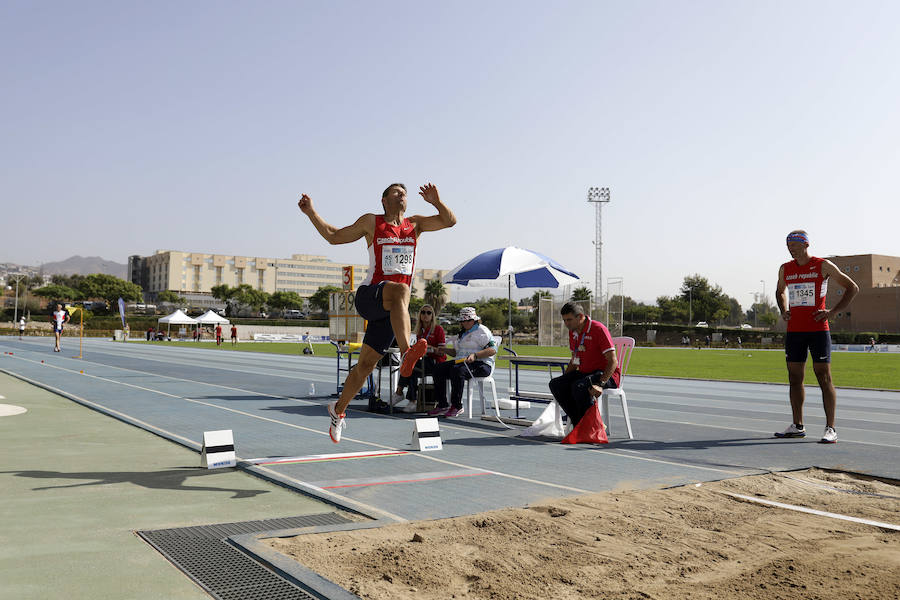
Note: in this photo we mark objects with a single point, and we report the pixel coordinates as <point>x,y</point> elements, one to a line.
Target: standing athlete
<point>383,298</point>
<point>802,284</point>
<point>59,318</point>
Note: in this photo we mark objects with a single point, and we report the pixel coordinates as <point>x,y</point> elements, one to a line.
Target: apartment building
<point>877,306</point>
<point>193,273</point>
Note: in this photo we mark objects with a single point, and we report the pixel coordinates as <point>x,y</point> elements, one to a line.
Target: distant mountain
<point>85,265</point>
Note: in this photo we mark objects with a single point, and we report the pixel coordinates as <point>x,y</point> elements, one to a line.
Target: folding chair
<point>480,381</point>
<point>623,346</point>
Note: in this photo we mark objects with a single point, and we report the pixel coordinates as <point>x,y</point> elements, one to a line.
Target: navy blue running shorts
<point>798,343</point>
<point>370,304</point>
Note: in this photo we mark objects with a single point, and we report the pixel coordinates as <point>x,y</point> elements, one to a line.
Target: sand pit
<point>690,542</point>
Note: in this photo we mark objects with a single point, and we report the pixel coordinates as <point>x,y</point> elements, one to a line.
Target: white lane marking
<point>614,452</point>
<point>339,500</point>
<point>336,498</point>
<point>813,511</point>
<point>764,432</point>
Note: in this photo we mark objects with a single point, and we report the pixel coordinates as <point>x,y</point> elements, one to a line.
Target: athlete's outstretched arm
<point>334,235</point>
<point>445,217</point>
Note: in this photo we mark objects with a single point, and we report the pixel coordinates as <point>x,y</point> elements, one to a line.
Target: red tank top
<point>806,290</point>
<point>392,255</point>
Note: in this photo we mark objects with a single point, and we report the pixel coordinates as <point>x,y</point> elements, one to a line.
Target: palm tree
<point>436,295</point>
<point>581,294</point>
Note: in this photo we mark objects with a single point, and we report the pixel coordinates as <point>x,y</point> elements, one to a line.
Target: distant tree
<point>110,288</point>
<point>436,294</point>
<point>735,312</point>
<point>415,305</point>
<point>250,296</point>
<point>768,320</point>
<point>169,296</point>
<point>672,310</point>
<point>72,281</point>
<point>453,308</point>
<point>57,292</point>
<point>536,298</point>
<point>223,292</point>
<point>705,301</point>
<point>319,300</point>
<point>284,300</point>
<point>581,294</point>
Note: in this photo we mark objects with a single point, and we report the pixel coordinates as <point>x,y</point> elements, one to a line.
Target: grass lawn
<point>849,369</point>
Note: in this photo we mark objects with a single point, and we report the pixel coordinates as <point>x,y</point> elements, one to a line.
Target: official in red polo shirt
<point>593,367</point>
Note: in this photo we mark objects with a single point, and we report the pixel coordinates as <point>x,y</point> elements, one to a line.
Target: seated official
<point>474,350</point>
<point>428,329</point>
<point>593,367</point>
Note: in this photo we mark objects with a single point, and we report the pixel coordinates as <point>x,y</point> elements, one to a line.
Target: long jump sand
<point>689,542</point>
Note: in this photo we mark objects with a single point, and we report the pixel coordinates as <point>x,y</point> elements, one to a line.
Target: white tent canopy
<point>177,318</point>
<point>211,318</point>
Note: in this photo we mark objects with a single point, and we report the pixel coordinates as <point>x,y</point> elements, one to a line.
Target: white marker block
<point>218,450</point>
<point>427,435</point>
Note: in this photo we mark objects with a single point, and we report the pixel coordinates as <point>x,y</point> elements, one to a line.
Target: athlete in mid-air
<point>383,298</point>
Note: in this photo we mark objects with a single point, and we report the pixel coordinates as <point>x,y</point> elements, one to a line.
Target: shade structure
<point>526,268</point>
<point>178,318</point>
<point>212,318</point>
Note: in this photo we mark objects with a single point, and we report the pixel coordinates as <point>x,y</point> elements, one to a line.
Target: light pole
<point>763,281</point>
<point>18,277</point>
<point>755,307</point>
<point>598,196</point>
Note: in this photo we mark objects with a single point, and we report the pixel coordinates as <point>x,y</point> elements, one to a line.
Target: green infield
<point>849,369</point>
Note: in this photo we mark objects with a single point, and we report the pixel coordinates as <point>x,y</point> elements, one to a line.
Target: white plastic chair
<point>480,381</point>
<point>623,346</point>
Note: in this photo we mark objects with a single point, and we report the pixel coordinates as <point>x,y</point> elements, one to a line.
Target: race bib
<point>802,294</point>
<point>397,260</point>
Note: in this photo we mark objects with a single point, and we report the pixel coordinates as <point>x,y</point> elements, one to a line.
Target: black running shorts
<point>370,304</point>
<point>798,343</point>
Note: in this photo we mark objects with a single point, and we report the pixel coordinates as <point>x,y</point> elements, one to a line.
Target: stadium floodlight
<point>598,196</point>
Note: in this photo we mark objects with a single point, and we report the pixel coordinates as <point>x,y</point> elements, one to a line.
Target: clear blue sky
<point>719,126</point>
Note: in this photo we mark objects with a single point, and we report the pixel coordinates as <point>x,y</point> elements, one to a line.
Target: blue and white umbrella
<point>527,267</point>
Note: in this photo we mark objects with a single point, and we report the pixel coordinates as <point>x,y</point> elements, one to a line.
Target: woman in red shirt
<point>429,330</point>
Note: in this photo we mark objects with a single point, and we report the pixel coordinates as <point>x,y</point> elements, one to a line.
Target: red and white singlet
<point>806,290</point>
<point>392,255</point>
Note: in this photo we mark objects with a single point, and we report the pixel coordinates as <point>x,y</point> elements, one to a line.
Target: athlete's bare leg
<point>829,396</point>
<point>58,334</point>
<point>395,299</point>
<point>797,393</point>
<point>368,360</point>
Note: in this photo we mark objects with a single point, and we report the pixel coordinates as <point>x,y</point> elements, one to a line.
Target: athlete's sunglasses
<point>426,312</point>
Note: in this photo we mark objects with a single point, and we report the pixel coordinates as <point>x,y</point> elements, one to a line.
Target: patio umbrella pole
<point>509,390</point>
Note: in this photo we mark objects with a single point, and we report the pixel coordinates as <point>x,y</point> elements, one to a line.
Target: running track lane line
<point>300,427</point>
<point>615,452</point>
<point>322,494</point>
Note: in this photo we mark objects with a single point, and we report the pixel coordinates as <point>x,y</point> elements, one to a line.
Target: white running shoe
<point>337,423</point>
<point>396,398</point>
<point>829,437</point>
<point>410,407</point>
<point>792,432</point>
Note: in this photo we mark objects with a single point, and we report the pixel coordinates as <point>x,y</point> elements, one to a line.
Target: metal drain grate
<point>223,570</point>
